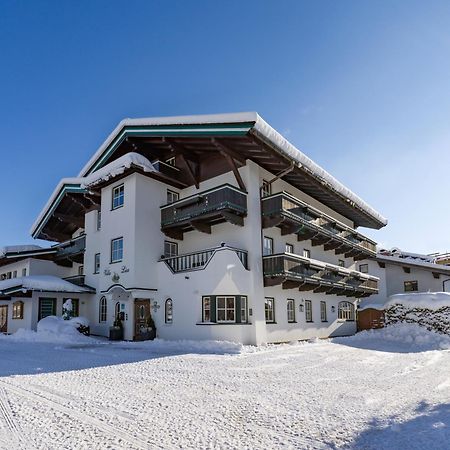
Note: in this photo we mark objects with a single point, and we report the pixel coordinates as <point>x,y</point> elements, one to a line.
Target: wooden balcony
<point>199,260</point>
<point>71,251</point>
<point>296,272</point>
<point>203,210</point>
<point>292,215</point>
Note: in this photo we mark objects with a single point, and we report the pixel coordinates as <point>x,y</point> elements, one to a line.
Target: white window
<point>270,309</point>
<point>170,249</point>
<point>102,310</point>
<point>267,246</point>
<point>117,196</point>
<point>346,311</point>
<point>323,311</point>
<point>226,309</point>
<point>169,311</point>
<point>290,310</point>
<point>172,196</point>
<point>99,220</point>
<point>308,311</point>
<point>364,268</point>
<point>206,309</point>
<point>243,309</point>
<point>17,310</point>
<point>97,263</point>
<point>266,189</point>
<point>306,253</point>
<point>117,250</point>
<point>341,263</point>
<point>289,248</point>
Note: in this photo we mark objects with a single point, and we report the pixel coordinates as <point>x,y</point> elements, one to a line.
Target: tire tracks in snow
<point>111,430</point>
<point>6,414</point>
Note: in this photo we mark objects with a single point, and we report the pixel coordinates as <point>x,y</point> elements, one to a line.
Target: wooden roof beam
<point>78,221</point>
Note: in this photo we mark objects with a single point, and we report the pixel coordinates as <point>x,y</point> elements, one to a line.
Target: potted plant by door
<point>150,333</point>
<point>116,331</point>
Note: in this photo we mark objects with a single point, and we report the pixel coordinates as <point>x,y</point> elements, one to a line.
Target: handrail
<point>200,259</point>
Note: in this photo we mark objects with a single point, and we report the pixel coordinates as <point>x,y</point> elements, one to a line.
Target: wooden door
<point>141,316</point>
<point>4,319</point>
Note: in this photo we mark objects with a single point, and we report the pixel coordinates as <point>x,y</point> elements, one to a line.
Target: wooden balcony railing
<point>292,271</point>
<point>292,215</point>
<point>201,211</point>
<point>199,260</point>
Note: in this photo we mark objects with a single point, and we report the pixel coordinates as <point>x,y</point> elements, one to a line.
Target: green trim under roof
<point>66,189</point>
<point>235,129</point>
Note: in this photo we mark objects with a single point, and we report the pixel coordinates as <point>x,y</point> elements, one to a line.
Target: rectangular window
<point>267,246</point>
<point>170,249</point>
<point>289,248</point>
<point>15,274</point>
<point>243,309</point>
<point>290,310</point>
<point>323,311</point>
<point>270,309</point>
<point>364,268</point>
<point>411,286</point>
<point>47,307</point>
<point>81,270</point>
<point>24,272</point>
<point>341,263</point>
<point>306,253</point>
<point>97,263</point>
<point>226,309</point>
<point>308,311</point>
<point>99,220</point>
<point>9,275</point>
<point>17,312</point>
<point>117,196</point>
<point>117,250</point>
<point>206,309</point>
<point>266,189</point>
<point>172,196</point>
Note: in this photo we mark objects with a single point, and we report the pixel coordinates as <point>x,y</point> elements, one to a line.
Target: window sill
<point>309,321</point>
<point>222,323</point>
<point>116,262</point>
<point>292,321</point>
<point>271,323</point>
<point>116,208</point>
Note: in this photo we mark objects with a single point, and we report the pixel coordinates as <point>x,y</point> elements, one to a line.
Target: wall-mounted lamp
<point>333,309</point>
<point>300,308</point>
<point>155,306</point>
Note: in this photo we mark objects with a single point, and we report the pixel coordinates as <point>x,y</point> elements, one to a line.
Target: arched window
<point>346,311</point>
<point>102,310</point>
<point>169,311</point>
<point>17,312</point>
<point>116,310</point>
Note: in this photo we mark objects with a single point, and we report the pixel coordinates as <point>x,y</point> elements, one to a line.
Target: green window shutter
<point>238,309</point>
<point>213,308</point>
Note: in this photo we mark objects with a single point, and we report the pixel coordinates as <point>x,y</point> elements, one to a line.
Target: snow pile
<point>117,167</point>
<point>43,283</point>
<point>57,325</point>
<point>413,335</point>
<point>425,300</point>
<point>161,346</point>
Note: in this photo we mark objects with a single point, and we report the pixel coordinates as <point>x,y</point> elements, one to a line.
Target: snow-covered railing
<point>316,222</point>
<point>199,260</point>
<point>70,248</point>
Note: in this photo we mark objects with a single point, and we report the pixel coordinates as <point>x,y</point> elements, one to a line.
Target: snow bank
<point>44,283</point>
<point>425,300</point>
<point>416,336</point>
<point>117,167</point>
<point>57,325</point>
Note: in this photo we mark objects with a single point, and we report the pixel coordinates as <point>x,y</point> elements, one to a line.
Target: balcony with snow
<point>201,211</point>
<point>305,274</point>
<point>292,215</point>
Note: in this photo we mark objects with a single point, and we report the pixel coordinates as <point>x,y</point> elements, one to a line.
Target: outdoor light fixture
<point>333,309</point>
<point>155,306</point>
<point>300,308</point>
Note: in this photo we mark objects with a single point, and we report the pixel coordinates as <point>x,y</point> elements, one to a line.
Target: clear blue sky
<point>361,87</point>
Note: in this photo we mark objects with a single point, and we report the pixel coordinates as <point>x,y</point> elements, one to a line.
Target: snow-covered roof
<point>427,300</point>
<point>117,167</point>
<point>260,128</point>
<point>42,283</point>
<point>413,262</point>
<point>18,249</point>
<point>406,255</point>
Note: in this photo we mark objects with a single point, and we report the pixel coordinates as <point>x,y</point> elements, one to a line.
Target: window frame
<point>102,310</point>
<point>344,313</point>
<point>267,239</point>
<point>121,195</point>
<point>97,263</point>
<point>411,283</point>
<point>290,311</point>
<point>226,309</point>
<point>308,311</point>
<point>170,243</point>
<point>206,300</point>
<point>271,310</point>
<point>266,189</point>
<point>288,247</point>
<point>169,192</point>
<point>366,268</point>
<point>168,311</point>
<point>98,222</point>
<point>306,253</point>
<point>17,310</point>
<point>341,262</point>
<point>323,311</point>
<point>244,308</point>
<point>114,261</point>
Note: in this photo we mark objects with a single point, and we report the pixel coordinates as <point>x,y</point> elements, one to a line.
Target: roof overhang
<point>420,265</point>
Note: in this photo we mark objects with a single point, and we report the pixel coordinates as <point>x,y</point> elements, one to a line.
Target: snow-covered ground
<point>385,389</point>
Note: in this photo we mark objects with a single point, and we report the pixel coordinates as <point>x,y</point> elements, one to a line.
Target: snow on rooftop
<point>45,283</point>
<point>18,249</point>
<point>117,167</point>
<point>426,300</point>
<point>409,261</point>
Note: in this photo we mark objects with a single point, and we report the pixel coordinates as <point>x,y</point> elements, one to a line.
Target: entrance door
<point>4,319</point>
<point>141,316</point>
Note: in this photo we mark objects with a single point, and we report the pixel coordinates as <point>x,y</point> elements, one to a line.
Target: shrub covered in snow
<point>58,325</point>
